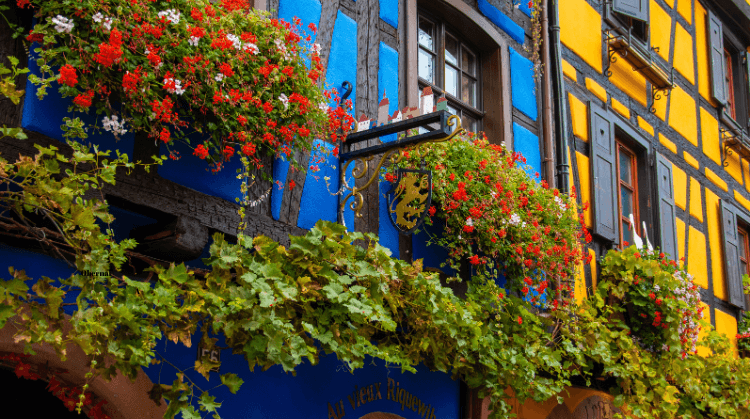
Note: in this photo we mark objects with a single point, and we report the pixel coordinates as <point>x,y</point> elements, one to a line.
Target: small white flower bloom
<point>323,107</point>
<point>219,77</point>
<point>284,100</point>
<point>63,24</point>
<point>316,48</point>
<point>107,23</point>
<point>114,125</point>
<point>236,42</point>
<point>251,48</point>
<point>177,86</point>
<point>172,15</point>
<point>97,17</point>
<point>193,41</point>
<point>469,222</point>
<point>515,219</point>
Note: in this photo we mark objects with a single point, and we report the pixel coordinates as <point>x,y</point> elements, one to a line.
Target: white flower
<point>282,48</point>
<point>236,42</point>
<point>193,41</point>
<point>172,15</point>
<point>284,100</point>
<point>63,24</point>
<point>469,222</point>
<point>219,76</point>
<point>252,48</point>
<point>97,17</point>
<point>114,125</point>
<point>515,219</point>
<point>323,107</point>
<point>316,48</point>
<point>107,23</point>
<point>177,88</point>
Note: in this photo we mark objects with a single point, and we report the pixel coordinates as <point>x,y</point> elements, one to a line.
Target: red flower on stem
<point>68,75</point>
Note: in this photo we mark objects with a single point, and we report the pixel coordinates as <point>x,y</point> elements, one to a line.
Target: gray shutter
<point>665,189</point>
<point>747,83</point>
<point>732,254</point>
<point>637,9</point>
<point>603,173</point>
<point>716,42</point>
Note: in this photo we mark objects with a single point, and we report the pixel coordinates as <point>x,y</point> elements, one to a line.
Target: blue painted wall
<point>319,200</point>
<point>527,143</point>
<point>523,85</point>
<point>389,12</point>
<point>46,116</point>
<point>523,5</point>
<point>273,394</point>
<point>501,20</point>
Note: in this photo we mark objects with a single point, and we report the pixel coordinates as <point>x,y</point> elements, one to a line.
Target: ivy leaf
<point>6,312</point>
<point>232,381</point>
<point>207,402</point>
<point>188,412</point>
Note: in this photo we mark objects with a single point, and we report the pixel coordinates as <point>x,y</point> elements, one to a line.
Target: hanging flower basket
<point>659,302</point>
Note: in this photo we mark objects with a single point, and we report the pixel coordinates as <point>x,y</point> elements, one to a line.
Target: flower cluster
<point>743,335</point>
<point>662,300</point>
<point>227,75</point>
<point>498,218</point>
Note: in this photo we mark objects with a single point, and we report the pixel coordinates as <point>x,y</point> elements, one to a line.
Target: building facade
<point>675,160</point>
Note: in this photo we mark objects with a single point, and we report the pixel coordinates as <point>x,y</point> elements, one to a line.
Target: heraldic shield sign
<point>410,199</point>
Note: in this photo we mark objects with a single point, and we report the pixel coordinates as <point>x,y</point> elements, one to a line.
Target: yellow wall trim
<point>696,200</point>
<point>596,89</point>
<point>580,117</point>
<point>679,179</point>
<point>668,144</point>
<point>689,159</point>
<point>710,133</point>
<point>696,257</point>
<point>645,126</point>
<point>620,108</point>
<point>713,177</point>
<point>569,71</point>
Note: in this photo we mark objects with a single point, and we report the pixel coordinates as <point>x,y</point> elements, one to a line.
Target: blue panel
<point>389,12</point>
<point>387,233</point>
<point>306,10</point>
<point>46,116</point>
<point>342,64</point>
<point>524,7</point>
<point>501,20</point>
<point>526,143</point>
<point>432,255</point>
<point>37,265</point>
<point>319,200</point>
<point>388,81</point>
<point>280,171</point>
<point>523,87</point>
<point>194,173</point>
<point>279,395</point>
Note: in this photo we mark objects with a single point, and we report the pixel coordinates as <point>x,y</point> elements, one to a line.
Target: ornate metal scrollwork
<point>390,156</point>
<point>657,94</point>
<point>410,199</point>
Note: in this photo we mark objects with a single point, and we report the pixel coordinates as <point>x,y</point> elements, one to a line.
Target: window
<point>630,17</point>
<point>735,251</point>
<point>622,184</point>
<point>450,66</point>
<point>627,175</point>
<point>729,74</point>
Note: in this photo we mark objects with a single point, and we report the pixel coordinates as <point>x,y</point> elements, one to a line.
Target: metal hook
<point>348,87</point>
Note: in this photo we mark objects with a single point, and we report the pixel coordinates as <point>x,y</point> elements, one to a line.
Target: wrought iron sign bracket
<point>732,142</point>
<point>441,126</point>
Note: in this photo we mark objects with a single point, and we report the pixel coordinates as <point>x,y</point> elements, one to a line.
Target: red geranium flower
<point>68,75</point>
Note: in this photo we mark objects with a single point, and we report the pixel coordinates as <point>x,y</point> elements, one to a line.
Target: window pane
<point>452,110</point>
<point>626,200</point>
<point>426,30</point>
<point>742,244</point>
<point>626,170</point>
<point>468,123</point>
<point>451,50</point>
<point>627,235</point>
<point>426,66</point>
<point>451,80</point>
<point>468,62</point>
<point>468,90</point>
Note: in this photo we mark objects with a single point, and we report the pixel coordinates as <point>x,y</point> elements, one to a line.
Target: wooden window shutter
<point>637,9</point>
<point>747,70</point>
<point>665,189</point>
<point>603,172</point>
<point>716,41</point>
<point>732,254</point>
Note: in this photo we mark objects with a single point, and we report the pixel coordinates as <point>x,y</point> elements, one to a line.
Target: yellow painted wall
<point>596,89</point>
<point>682,115</point>
<point>683,56</point>
<point>620,108</point>
<point>680,226</point>
<point>714,241</point>
<point>581,31</point>
<point>661,29</point>
<point>689,159</point>
<point>579,116</point>
<point>696,202</point>
<point>684,7</point>
<point>713,177</point>
<point>569,71</point>
<point>630,82</point>
<point>660,106</point>
<point>742,200</point>
<point>679,180</point>
<point>734,168</point>
<point>645,125</point>
<point>584,173</point>
<point>668,144</point>
<point>726,324</point>
<point>746,172</point>
<point>710,134</point>
<point>697,265</point>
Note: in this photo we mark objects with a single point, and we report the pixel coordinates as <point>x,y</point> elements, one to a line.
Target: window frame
<point>734,99</point>
<point>625,24</point>
<point>620,147</point>
<point>442,30</point>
